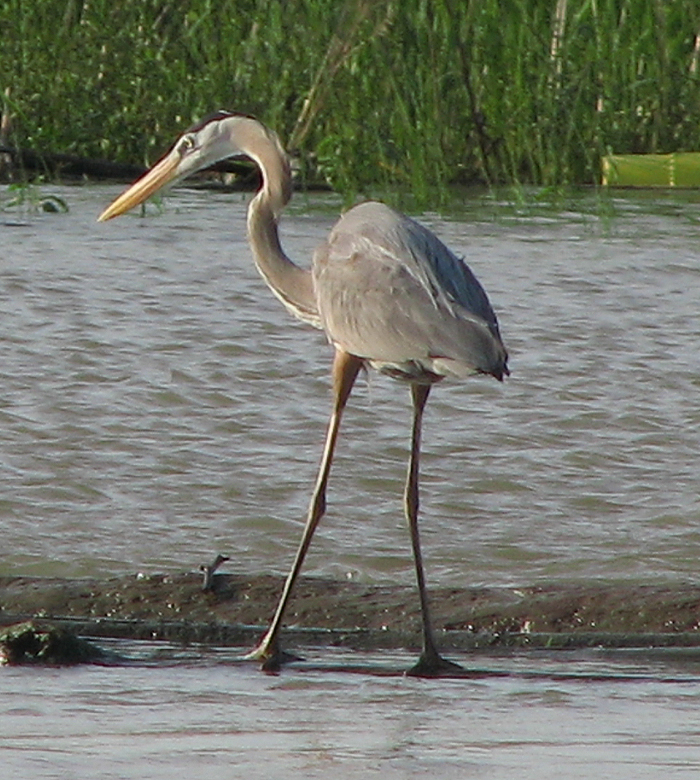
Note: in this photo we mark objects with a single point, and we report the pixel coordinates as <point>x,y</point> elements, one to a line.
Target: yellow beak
<point>151,181</point>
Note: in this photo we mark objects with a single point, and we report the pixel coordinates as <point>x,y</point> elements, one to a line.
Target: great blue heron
<point>387,292</point>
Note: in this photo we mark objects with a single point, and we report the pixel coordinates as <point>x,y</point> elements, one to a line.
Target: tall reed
<point>414,93</point>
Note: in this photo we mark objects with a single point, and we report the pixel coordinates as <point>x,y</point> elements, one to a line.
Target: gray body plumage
<point>389,291</point>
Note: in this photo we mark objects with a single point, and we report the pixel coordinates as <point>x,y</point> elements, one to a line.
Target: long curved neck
<point>290,283</point>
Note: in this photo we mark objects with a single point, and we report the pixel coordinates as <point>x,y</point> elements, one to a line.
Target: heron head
<point>212,139</point>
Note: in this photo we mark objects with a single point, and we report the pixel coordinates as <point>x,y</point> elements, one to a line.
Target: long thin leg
<point>430,663</point>
<point>345,370</point>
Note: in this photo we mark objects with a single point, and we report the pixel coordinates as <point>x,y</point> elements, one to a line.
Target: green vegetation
<point>370,92</point>
<point>27,197</point>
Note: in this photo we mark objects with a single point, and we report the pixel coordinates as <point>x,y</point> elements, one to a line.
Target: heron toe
<point>429,665</point>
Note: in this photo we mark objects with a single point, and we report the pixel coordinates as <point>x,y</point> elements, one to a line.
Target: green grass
<point>415,94</point>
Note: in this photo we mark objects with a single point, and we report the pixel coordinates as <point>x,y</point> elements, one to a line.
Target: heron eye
<point>187,144</point>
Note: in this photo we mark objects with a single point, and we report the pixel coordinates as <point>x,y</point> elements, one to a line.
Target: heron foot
<point>272,658</point>
<point>432,664</point>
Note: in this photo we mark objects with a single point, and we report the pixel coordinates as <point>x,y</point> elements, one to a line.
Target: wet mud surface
<point>237,608</point>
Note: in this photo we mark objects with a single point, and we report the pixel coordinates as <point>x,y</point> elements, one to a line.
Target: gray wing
<point>388,290</point>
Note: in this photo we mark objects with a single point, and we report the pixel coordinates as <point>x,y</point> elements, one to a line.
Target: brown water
<point>182,713</point>
<point>157,405</point>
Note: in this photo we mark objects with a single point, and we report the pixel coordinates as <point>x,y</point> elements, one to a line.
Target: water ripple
<point>158,404</point>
